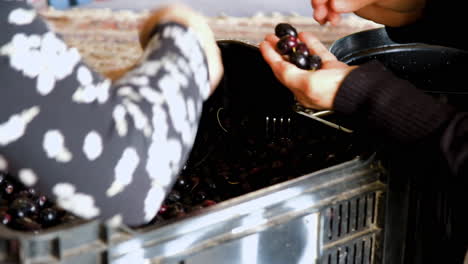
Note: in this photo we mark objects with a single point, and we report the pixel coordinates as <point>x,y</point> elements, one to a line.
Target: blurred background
<point>106,31</point>
<point>207,7</point>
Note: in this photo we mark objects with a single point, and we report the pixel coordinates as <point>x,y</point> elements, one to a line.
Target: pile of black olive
<point>245,164</point>
<point>25,209</point>
<point>239,166</point>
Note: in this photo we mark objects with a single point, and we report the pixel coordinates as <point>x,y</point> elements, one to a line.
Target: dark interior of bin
<point>431,201</point>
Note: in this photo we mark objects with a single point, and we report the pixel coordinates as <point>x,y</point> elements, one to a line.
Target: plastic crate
<point>334,214</point>
<point>339,214</point>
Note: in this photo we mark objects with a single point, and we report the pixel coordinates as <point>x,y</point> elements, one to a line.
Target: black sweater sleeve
<point>397,110</point>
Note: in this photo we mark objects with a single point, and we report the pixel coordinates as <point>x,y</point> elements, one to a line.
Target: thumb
<point>348,6</point>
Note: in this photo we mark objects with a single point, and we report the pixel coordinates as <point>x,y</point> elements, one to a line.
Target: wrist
<point>164,15</point>
<point>328,82</point>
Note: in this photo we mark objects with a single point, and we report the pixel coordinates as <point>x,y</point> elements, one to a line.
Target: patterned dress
<point>99,149</point>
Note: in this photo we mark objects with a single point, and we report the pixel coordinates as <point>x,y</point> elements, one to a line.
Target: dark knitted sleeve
<point>396,110</point>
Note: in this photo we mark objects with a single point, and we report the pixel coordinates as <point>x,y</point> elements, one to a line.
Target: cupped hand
<point>186,16</point>
<point>313,89</point>
<point>388,12</point>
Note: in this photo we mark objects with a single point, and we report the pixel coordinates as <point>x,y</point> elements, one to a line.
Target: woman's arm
<point>99,149</point>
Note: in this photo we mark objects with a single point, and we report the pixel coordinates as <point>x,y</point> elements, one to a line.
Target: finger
<point>272,38</point>
<point>318,2</point>
<point>346,6</point>
<point>334,18</point>
<point>269,53</point>
<point>320,14</point>
<point>316,46</point>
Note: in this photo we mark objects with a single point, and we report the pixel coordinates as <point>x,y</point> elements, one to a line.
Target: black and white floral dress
<point>98,149</point>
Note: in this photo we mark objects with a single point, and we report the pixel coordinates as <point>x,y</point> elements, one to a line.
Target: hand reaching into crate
<point>100,149</point>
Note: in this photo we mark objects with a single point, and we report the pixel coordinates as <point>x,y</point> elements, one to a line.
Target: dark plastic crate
<point>221,230</point>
